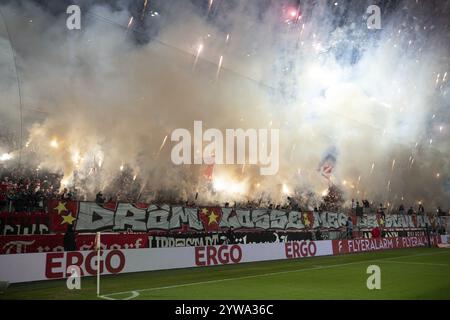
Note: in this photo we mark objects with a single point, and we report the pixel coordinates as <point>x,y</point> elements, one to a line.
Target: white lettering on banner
<point>261,218</point>
<point>278,219</point>
<point>128,216</point>
<point>245,219</point>
<point>158,217</point>
<point>295,222</point>
<point>94,217</point>
<point>186,216</point>
<point>91,216</point>
<point>228,220</point>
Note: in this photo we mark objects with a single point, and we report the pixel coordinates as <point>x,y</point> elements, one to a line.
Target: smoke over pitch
<point>379,97</point>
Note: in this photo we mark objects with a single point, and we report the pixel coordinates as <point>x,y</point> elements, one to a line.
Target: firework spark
<point>130,22</point>
<point>162,145</point>
<point>219,67</point>
<point>197,55</point>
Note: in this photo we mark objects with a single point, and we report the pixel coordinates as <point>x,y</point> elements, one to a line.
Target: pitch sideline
<point>136,293</point>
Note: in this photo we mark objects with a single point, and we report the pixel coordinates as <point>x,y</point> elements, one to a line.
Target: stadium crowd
<point>24,190</point>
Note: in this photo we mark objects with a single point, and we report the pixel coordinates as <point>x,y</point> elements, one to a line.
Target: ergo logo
<point>56,266</point>
<point>210,255</point>
<point>300,249</point>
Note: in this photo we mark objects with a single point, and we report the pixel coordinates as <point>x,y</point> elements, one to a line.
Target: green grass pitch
<point>421,273</point>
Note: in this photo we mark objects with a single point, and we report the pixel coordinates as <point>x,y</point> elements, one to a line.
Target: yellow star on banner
<point>68,219</point>
<point>205,211</point>
<point>212,218</point>
<point>60,207</point>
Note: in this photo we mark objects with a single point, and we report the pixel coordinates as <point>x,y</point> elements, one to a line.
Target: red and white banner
<point>54,242</point>
<point>93,217</point>
<point>53,265</point>
<point>376,244</point>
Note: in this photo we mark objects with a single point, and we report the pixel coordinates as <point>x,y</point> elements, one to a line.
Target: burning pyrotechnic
<point>54,144</point>
<point>285,189</point>
<point>228,186</point>
<point>6,157</point>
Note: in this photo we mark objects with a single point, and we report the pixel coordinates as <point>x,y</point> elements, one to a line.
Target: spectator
<point>70,239</point>
<point>318,234</point>
<point>65,195</point>
<point>410,211</point>
<point>230,236</point>
<point>380,211</point>
<point>439,212</point>
<point>376,233</point>
<point>421,209</point>
<point>349,228</point>
<point>99,199</point>
<point>401,209</point>
<point>359,209</point>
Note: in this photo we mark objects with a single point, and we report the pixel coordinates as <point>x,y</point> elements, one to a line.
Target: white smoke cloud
<point>369,94</point>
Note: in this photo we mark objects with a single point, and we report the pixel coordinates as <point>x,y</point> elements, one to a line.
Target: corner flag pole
<point>98,248</point>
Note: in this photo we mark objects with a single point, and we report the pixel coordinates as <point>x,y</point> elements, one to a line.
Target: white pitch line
<point>419,263</point>
<point>108,296</point>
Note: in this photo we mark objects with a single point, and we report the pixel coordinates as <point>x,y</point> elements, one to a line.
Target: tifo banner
<point>54,242</point>
<point>53,265</point>
<point>93,217</point>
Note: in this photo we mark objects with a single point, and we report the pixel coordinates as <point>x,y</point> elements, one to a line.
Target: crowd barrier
<point>54,265</point>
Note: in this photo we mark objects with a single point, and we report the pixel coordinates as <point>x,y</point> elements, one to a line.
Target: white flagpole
<point>98,247</point>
